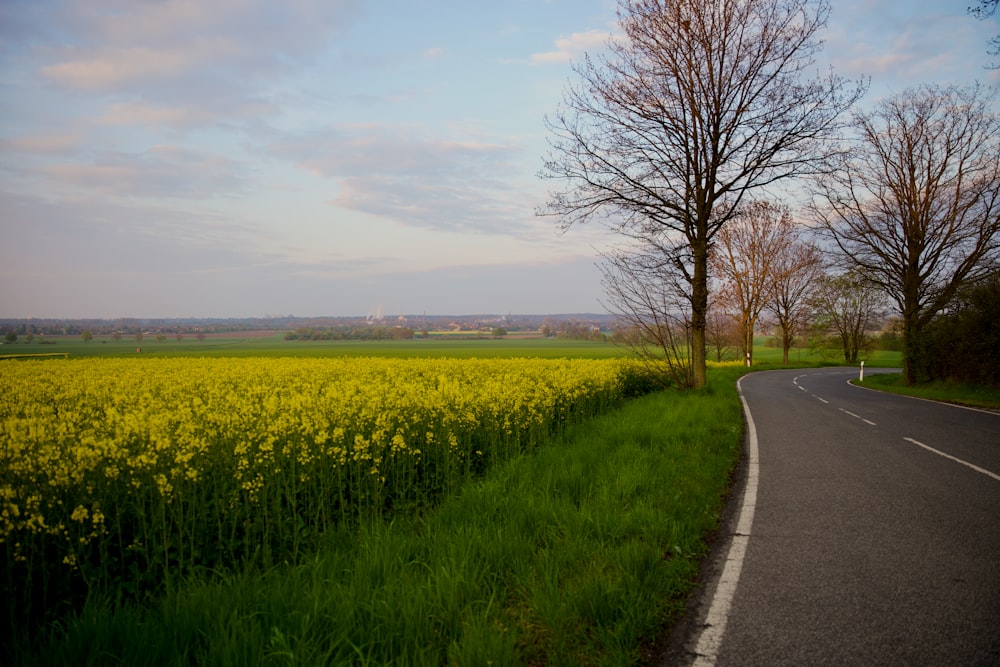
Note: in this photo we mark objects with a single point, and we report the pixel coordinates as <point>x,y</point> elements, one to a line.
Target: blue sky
<point>328,157</point>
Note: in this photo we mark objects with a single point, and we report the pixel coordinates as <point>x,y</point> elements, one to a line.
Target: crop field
<point>243,500</point>
<point>236,345</point>
<point>120,473</point>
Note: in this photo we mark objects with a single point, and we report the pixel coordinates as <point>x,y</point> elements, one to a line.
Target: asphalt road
<point>866,547</point>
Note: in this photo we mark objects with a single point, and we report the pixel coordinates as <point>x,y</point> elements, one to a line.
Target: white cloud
<point>901,45</point>
<point>573,47</point>
<point>160,171</point>
<point>44,143</point>
<point>405,175</point>
<point>126,45</point>
<point>87,232</point>
<point>147,114</point>
<point>106,68</point>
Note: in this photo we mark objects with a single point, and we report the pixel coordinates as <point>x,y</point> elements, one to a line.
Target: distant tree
<point>499,332</point>
<point>116,336</point>
<point>850,307</point>
<point>722,335</point>
<point>653,309</point>
<point>698,105</point>
<point>87,336</point>
<point>200,336</point>
<point>30,336</point>
<point>743,260</point>
<point>160,337</point>
<point>915,209</point>
<point>891,337</point>
<point>11,336</point>
<point>797,268</point>
<point>138,337</point>
<point>179,336</point>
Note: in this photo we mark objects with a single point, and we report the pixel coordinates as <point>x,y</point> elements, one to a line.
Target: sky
<point>245,158</point>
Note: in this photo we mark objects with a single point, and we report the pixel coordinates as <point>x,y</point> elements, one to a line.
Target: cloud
<point>184,116</point>
<point>434,53</point>
<point>104,68</point>
<point>573,47</point>
<point>418,180</point>
<point>43,144</point>
<point>899,49</point>
<point>161,171</point>
<point>122,45</point>
<point>88,233</point>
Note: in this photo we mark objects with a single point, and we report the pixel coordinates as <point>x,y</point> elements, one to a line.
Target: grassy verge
<point>951,392</point>
<point>580,553</point>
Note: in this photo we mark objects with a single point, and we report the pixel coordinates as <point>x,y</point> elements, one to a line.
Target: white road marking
<point>822,400</point>
<point>955,459</point>
<point>710,640</point>
<point>848,412</point>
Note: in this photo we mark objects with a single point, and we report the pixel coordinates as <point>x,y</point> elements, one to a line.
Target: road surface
<point>869,532</point>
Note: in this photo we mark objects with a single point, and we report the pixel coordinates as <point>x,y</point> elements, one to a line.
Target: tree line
<point>696,126</point>
<point>367,332</point>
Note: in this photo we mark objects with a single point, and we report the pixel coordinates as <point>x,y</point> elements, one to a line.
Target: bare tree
<point>796,268</point>
<point>916,208</point>
<point>848,306</point>
<point>743,259</point>
<point>983,10</point>
<point>722,335</point>
<point>696,105</point>
<point>654,309</point>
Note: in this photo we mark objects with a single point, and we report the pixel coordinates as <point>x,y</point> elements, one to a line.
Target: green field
<point>580,551</point>
<point>274,345</point>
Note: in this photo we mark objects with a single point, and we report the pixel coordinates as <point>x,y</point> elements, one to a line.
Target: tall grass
<point>579,552</point>
<point>978,396</point>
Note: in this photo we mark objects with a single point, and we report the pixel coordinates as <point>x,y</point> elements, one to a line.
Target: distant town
<point>581,325</point>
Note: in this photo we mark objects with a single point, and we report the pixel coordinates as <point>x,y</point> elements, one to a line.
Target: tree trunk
<point>699,311</point>
<point>914,363</point>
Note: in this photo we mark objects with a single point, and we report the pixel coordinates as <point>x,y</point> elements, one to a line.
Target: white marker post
<point>861,378</point>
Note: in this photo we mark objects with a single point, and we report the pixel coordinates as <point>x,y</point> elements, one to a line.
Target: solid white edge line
<point>710,640</point>
<point>955,459</point>
<point>850,382</point>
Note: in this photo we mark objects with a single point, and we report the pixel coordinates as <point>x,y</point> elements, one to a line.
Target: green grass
<point>275,346</point>
<point>580,553</point>
<point>766,354</point>
<point>950,392</point>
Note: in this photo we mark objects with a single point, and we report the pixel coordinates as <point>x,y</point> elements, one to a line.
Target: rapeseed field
<point>119,474</point>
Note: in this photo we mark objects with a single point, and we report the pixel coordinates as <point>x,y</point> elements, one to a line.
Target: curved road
<point>871,535</point>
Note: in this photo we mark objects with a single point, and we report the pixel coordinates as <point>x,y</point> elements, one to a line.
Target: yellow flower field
<point>133,468</point>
